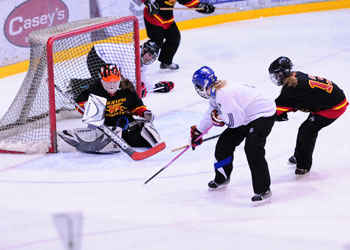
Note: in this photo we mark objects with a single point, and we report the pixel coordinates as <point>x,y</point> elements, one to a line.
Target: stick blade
<point>148,153</point>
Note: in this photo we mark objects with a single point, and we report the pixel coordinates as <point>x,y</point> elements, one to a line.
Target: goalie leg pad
<point>89,140</point>
<point>150,134</point>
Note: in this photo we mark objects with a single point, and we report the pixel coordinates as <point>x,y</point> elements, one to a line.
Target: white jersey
<point>238,105</point>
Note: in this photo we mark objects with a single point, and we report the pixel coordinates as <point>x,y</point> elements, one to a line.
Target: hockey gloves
<point>206,8</point>
<point>195,133</point>
<point>218,122</point>
<point>148,115</point>
<point>282,117</point>
<point>163,87</point>
<point>153,7</point>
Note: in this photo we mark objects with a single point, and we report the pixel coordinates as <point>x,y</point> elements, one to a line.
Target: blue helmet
<point>202,79</point>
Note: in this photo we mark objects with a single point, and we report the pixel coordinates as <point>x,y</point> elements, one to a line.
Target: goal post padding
<point>66,55</point>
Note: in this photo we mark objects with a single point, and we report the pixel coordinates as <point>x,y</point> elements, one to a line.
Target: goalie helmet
<point>110,78</point>
<point>149,52</point>
<point>202,79</point>
<point>280,69</point>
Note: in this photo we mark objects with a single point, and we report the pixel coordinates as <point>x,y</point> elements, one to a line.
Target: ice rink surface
<point>175,210</point>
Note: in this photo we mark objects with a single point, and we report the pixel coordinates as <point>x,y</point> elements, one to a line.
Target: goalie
<point>122,105</point>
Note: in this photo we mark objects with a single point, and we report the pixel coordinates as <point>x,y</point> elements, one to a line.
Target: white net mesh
<point>78,50</point>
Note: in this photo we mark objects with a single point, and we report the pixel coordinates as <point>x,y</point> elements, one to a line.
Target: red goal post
<point>69,56</point>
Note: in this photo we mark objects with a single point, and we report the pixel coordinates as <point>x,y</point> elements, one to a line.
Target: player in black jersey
<point>322,98</point>
<point>123,105</point>
<point>162,28</point>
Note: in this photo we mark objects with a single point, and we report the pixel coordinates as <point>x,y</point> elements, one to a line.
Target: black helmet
<point>149,52</point>
<point>280,69</point>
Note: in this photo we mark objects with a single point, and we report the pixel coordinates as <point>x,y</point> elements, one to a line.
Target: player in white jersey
<point>248,115</point>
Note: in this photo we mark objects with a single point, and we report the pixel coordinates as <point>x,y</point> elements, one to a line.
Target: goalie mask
<point>280,69</point>
<point>149,52</point>
<point>110,78</point>
<point>202,79</point>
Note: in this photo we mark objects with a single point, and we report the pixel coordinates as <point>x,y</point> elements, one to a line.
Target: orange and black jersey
<point>311,94</point>
<point>166,17</point>
<point>124,103</point>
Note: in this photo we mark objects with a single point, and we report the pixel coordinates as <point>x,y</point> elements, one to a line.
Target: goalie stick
<point>176,157</point>
<point>122,144</point>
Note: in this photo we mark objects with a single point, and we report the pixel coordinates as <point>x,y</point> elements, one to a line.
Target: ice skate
<point>172,66</point>
<point>292,160</point>
<point>300,172</point>
<point>262,198</point>
<point>213,185</point>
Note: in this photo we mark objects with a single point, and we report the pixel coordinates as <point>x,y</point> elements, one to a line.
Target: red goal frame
<point>50,64</point>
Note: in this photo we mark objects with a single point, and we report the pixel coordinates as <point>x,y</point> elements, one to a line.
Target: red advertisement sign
<point>33,15</point>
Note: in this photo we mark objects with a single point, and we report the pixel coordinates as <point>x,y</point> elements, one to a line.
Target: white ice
<point>175,210</point>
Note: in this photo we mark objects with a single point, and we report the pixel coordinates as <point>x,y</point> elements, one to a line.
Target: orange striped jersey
<point>166,17</point>
<point>124,103</point>
<point>312,94</point>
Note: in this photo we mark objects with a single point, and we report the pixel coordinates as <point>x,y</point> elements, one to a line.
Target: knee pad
<point>150,134</point>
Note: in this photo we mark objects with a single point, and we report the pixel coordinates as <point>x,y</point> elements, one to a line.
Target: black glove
<point>282,117</point>
<point>207,8</point>
<point>153,7</point>
<point>148,115</point>
<point>218,122</point>
<point>195,133</point>
<point>164,86</point>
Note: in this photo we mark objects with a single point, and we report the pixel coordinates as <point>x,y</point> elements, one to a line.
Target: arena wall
<point>19,18</point>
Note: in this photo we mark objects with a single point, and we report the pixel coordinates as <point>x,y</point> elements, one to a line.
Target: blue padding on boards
<point>223,162</point>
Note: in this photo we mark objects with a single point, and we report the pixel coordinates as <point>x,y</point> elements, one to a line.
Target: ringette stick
<point>206,139</point>
<point>176,157</point>
<point>223,8</point>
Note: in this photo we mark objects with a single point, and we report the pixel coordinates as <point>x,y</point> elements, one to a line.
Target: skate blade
<point>218,188</point>
<point>301,176</point>
<point>262,202</point>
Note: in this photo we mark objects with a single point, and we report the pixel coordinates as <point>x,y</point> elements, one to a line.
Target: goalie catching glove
<point>216,120</point>
<point>195,133</point>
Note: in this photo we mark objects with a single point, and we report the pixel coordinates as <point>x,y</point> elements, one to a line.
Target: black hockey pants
<point>306,139</point>
<point>168,46</point>
<point>132,135</point>
<point>255,134</point>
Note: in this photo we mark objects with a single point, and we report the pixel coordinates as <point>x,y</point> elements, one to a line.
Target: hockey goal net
<point>68,56</point>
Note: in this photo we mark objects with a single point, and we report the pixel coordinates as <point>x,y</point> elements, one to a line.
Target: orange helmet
<point>110,78</point>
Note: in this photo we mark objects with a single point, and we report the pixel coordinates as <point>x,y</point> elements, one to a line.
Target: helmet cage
<point>110,78</point>
<point>111,87</point>
<point>201,91</point>
<point>202,79</point>
<point>277,78</point>
<point>149,52</point>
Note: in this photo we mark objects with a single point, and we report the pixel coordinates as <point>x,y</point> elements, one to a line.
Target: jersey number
<point>327,87</point>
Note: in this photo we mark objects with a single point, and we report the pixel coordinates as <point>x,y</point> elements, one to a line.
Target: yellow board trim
<point>219,19</point>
